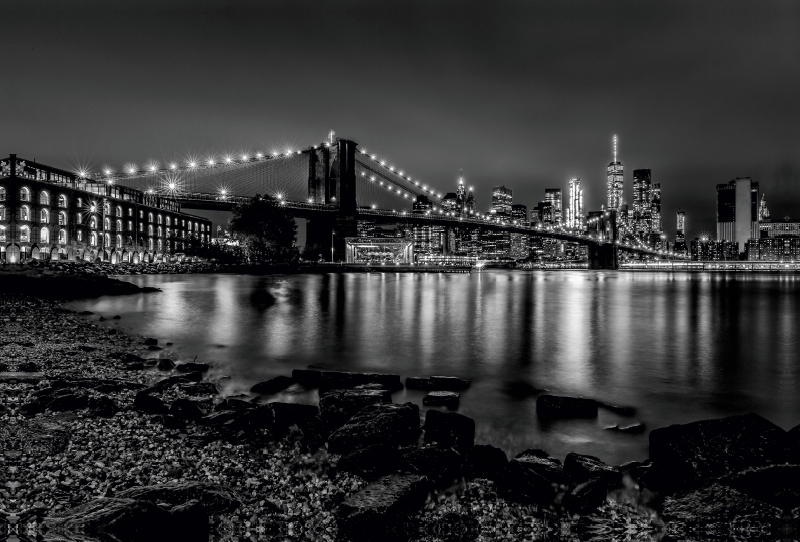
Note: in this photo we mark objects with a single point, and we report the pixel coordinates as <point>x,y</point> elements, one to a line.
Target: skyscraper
<point>461,197</point>
<point>575,205</point>
<point>642,186</point>
<point>614,182</point>
<point>520,248</point>
<point>553,195</point>
<point>763,212</point>
<point>501,201</point>
<point>737,211</point>
<point>680,234</point>
<point>655,209</point>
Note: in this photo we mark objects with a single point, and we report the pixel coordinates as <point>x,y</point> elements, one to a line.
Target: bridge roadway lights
<point>603,256</point>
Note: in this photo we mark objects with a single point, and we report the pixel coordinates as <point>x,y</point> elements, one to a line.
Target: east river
<point>678,347</point>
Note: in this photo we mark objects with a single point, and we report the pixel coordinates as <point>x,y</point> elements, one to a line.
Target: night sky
<point>524,94</point>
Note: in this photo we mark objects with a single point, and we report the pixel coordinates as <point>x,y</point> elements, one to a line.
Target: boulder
<point>150,342</point>
<point>199,388</point>
<point>777,485</point>
<point>170,381</point>
<point>441,398</point>
<point>186,409</point>
<point>586,497</point>
<point>449,429</point>
<point>216,499</point>
<point>551,407</point>
<point>521,483</point>
<point>191,367</point>
<point>144,402</point>
<point>540,462</point>
<point>635,428</point>
<point>28,367</point>
<point>117,519</point>
<point>581,468</point>
<point>154,348</point>
<point>392,424</point>
<point>484,461</point>
<point>331,380</point>
<point>165,364</point>
<point>87,348</point>
<point>272,385</point>
<point>716,512</point>
<point>617,409</point>
<point>65,400</point>
<point>171,422</point>
<point>372,462</point>
<point>287,414</point>
<point>338,406</point>
<point>103,406</point>
<point>383,510</point>
<point>313,432</point>
<point>684,456</point>
<point>439,465</point>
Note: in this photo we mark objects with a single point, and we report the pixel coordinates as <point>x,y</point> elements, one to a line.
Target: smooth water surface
<point>677,346</point>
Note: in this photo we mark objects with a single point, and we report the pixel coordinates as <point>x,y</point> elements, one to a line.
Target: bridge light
<point>372,178</point>
<point>383,162</point>
<point>280,196</point>
<point>400,173</point>
<point>245,157</point>
<point>153,168</point>
<point>373,205</point>
<point>211,162</point>
<point>192,164</point>
<point>259,155</point>
<point>310,200</point>
<point>107,171</point>
<point>391,168</point>
<point>275,154</point>
<point>374,157</point>
<point>173,166</point>
<point>131,170</point>
<point>228,160</point>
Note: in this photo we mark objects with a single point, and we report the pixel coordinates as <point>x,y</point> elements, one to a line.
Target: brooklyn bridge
<point>333,185</point>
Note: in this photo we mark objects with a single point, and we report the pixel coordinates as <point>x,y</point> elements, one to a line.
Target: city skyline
<point>706,95</point>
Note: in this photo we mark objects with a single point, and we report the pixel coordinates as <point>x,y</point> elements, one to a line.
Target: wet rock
<point>144,402</point>
<point>172,422</point>
<point>392,424</point>
<point>28,367</point>
<point>633,428</point>
<point>154,348</point>
<point>190,367</point>
<point>103,407</point>
<point>272,385</point>
<point>313,432</point>
<point>383,510</point>
<point>372,462</point>
<point>544,465</point>
<point>234,404</point>
<point>621,410</point>
<point>331,380</point>
<point>117,519</point>
<point>286,414</point>
<point>86,348</point>
<point>338,406</point>
<point>485,461</point>
<point>441,398</point>
<point>186,409</point>
<point>715,512</point>
<point>199,388</point>
<point>216,499</point>
<point>165,364</point>
<point>439,465</point>
<point>116,317</point>
<point>150,342</point>
<point>86,313</point>
<point>581,468</point>
<point>555,406</point>
<point>129,358</point>
<point>778,485</point>
<point>586,497</point>
<point>168,382</point>
<point>449,429</point>
<point>685,455</point>
<point>522,483</point>
<point>67,400</point>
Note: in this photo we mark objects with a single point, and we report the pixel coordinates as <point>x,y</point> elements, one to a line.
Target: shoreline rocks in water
<point>95,443</point>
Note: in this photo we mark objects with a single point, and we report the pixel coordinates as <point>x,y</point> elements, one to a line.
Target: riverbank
<point>90,422</point>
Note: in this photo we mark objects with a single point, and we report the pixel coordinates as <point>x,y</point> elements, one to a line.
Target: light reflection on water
<point>677,346</point>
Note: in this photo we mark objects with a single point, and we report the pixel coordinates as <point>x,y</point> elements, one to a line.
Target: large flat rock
<point>331,380</point>
<point>684,456</point>
<point>338,406</point>
<point>383,509</point>
<point>392,424</point>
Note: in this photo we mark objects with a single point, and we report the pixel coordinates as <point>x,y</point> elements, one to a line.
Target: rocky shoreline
<point>104,437</point>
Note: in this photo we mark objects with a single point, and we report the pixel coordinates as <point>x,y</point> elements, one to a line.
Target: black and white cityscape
<point>400,272</point>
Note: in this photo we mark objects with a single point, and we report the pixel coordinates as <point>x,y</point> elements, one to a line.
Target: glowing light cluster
<point>399,172</point>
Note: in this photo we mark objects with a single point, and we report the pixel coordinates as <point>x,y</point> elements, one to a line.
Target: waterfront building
<point>546,214</point>
<point>575,220</point>
<point>469,206</point>
<point>378,250</point>
<point>763,212</point>
<point>450,204</point>
<point>779,228</point>
<point>501,201</point>
<point>737,211</point>
<point>655,209</point>
<point>553,195</point>
<point>461,197</point>
<point>614,182</point>
<point>46,212</point>
<point>706,250</point>
<point>784,248</point>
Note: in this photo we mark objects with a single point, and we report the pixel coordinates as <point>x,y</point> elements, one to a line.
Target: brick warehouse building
<point>47,212</point>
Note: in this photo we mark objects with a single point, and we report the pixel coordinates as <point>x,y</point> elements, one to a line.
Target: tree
<point>265,230</point>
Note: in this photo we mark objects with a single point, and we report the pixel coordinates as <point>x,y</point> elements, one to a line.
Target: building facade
<point>575,220</point>
<point>553,196</point>
<point>502,201</point>
<point>737,211</point>
<point>779,228</point>
<point>774,249</point>
<point>614,182</point>
<point>713,250</point>
<point>51,213</point>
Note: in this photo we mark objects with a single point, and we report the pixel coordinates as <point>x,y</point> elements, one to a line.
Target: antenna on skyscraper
<point>615,148</point>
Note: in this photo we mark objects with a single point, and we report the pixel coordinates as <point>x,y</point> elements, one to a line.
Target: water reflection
<point>678,347</point>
